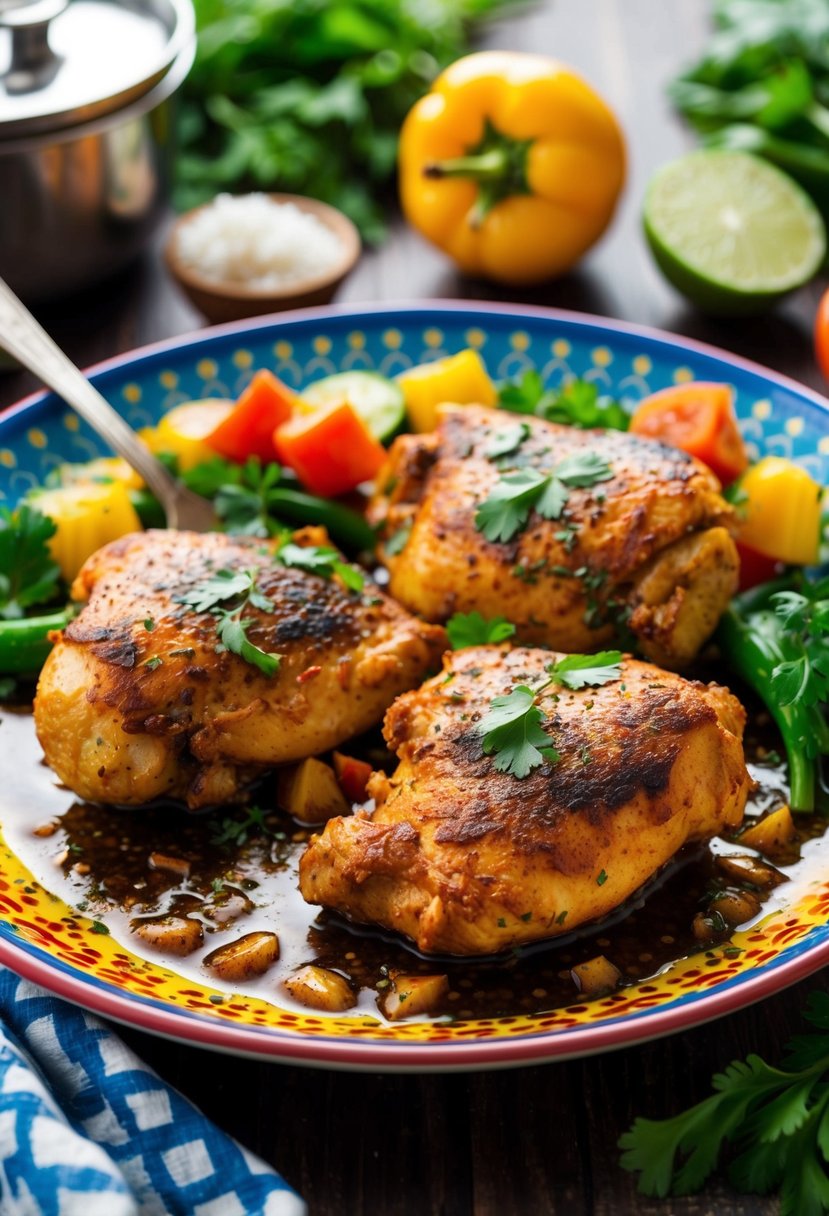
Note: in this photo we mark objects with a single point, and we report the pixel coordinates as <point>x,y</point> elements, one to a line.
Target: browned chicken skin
<point>464,859</point>
<point>650,548</point>
<point>134,701</point>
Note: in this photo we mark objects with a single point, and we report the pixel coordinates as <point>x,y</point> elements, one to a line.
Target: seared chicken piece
<point>649,549</point>
<point>138,700</point>
<point>464,859</point>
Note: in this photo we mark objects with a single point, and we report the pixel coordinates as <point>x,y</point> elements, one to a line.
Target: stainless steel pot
<point>86,135</point>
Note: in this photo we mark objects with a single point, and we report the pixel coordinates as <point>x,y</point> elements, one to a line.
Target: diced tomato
<point>756,568</point>
<point>699,418</point>
<point>248,430</point>
<point>331,450</point>
<point>822,334</point>
<point>353,775</point>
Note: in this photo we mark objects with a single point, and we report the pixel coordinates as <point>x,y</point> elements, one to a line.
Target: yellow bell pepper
<point>512,165</point>
<point>183,431</point>
<point>87,516</point>
<point>460,379</point>
<point>782,509</point>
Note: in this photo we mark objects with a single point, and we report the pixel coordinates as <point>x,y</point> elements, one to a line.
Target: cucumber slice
<point>378,401</point>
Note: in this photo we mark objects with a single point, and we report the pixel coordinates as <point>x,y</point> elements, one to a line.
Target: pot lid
<point>64,62</point>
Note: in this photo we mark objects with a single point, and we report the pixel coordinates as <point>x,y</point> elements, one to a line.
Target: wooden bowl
<point>222,301</point>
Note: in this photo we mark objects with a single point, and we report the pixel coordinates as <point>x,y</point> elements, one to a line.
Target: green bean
<point>24,643</point>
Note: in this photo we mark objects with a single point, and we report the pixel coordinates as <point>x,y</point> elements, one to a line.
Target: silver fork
<point>22,336</point>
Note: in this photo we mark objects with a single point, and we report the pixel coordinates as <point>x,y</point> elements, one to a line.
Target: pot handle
<point>33,62</point>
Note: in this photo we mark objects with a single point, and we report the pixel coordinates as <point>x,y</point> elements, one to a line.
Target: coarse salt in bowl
<point>247,254</point>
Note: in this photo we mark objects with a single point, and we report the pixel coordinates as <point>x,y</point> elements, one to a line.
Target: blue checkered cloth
<point>87,1129</point>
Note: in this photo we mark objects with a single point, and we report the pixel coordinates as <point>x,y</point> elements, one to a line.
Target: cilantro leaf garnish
<point>472,629</point>
<point>580,670</point>
<point>223,585</point>
<point>398,540</point>
<point>575,403</point>
<point>28,573</point>
<point>226,595</point>
<point>506,511</point>
<point>232,633</point>
<point>512,732</point>
<point>775,1121</point>
<point>508,506</point>
<point>505,441</point>
<point>511,729</point>
<point>323,560</point>
<point>237,831</point>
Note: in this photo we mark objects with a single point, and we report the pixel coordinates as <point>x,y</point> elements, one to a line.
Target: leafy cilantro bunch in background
<point>762,86</point>
<point>309,95</point>
<point>775,1121</point>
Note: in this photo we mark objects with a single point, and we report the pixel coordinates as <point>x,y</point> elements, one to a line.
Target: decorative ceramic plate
<point>50,941</point>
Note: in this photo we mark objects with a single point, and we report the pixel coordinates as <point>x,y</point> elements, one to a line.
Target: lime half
<point>732,232</point>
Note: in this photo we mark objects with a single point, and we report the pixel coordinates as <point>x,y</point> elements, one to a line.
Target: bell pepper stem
<point>491,166</point>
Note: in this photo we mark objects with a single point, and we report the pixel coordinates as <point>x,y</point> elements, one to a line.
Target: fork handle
<point>23,337</point>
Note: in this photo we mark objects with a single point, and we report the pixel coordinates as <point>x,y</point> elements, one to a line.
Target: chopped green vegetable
<point>261,500</point>
<point>774,1120</point>
<point>377,400</point>
<point>309,97</point>
<point>505,441</point>
<point>472,629</point>
<point>25,645</point>
<point>28,574</point>
<point>776,638</point>
<point>237,831</point>
<point>573,403</point>
<point>398,540</point>
<point>506,511</point>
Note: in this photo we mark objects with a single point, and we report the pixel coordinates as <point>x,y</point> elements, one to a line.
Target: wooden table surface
<point>543,1139</point>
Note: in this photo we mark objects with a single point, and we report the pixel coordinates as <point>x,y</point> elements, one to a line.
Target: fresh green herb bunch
<point>573,403</point>
<point>309,95</point>
<point>774,1120</point>
<point>762,86</point>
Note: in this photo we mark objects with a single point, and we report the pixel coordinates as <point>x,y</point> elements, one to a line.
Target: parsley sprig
<point>576,403</point>
<point>512,729</point>
<point>472,629</point>
<point>323,560</point>
<point>776,1120</point>
<point>804,678</point>
<point>227,595</point>
<point>506,511</point>
<point>28,573</point>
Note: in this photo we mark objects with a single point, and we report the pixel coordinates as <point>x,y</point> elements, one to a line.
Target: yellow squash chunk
<point>105,468</point>
<point>310,792</point>
<point>245,958</point>
<point>782,511</point>
<point>459,379</point>
<point>772,834</point>
<point>413,996</point>
<point>320,988</point>
<point>87,516</point>
<point>183,431</point>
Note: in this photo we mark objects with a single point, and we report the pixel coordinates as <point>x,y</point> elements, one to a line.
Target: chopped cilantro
<point>506,441</point>
<point>398,540</point>
<point>580,670</point>
<point>574,403</point>
<point>506,511</point>
<point>602,879</point>
<point>227,595</point>
<point>323,560</point>
<point>98,926</point>
<point>512,731</point>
